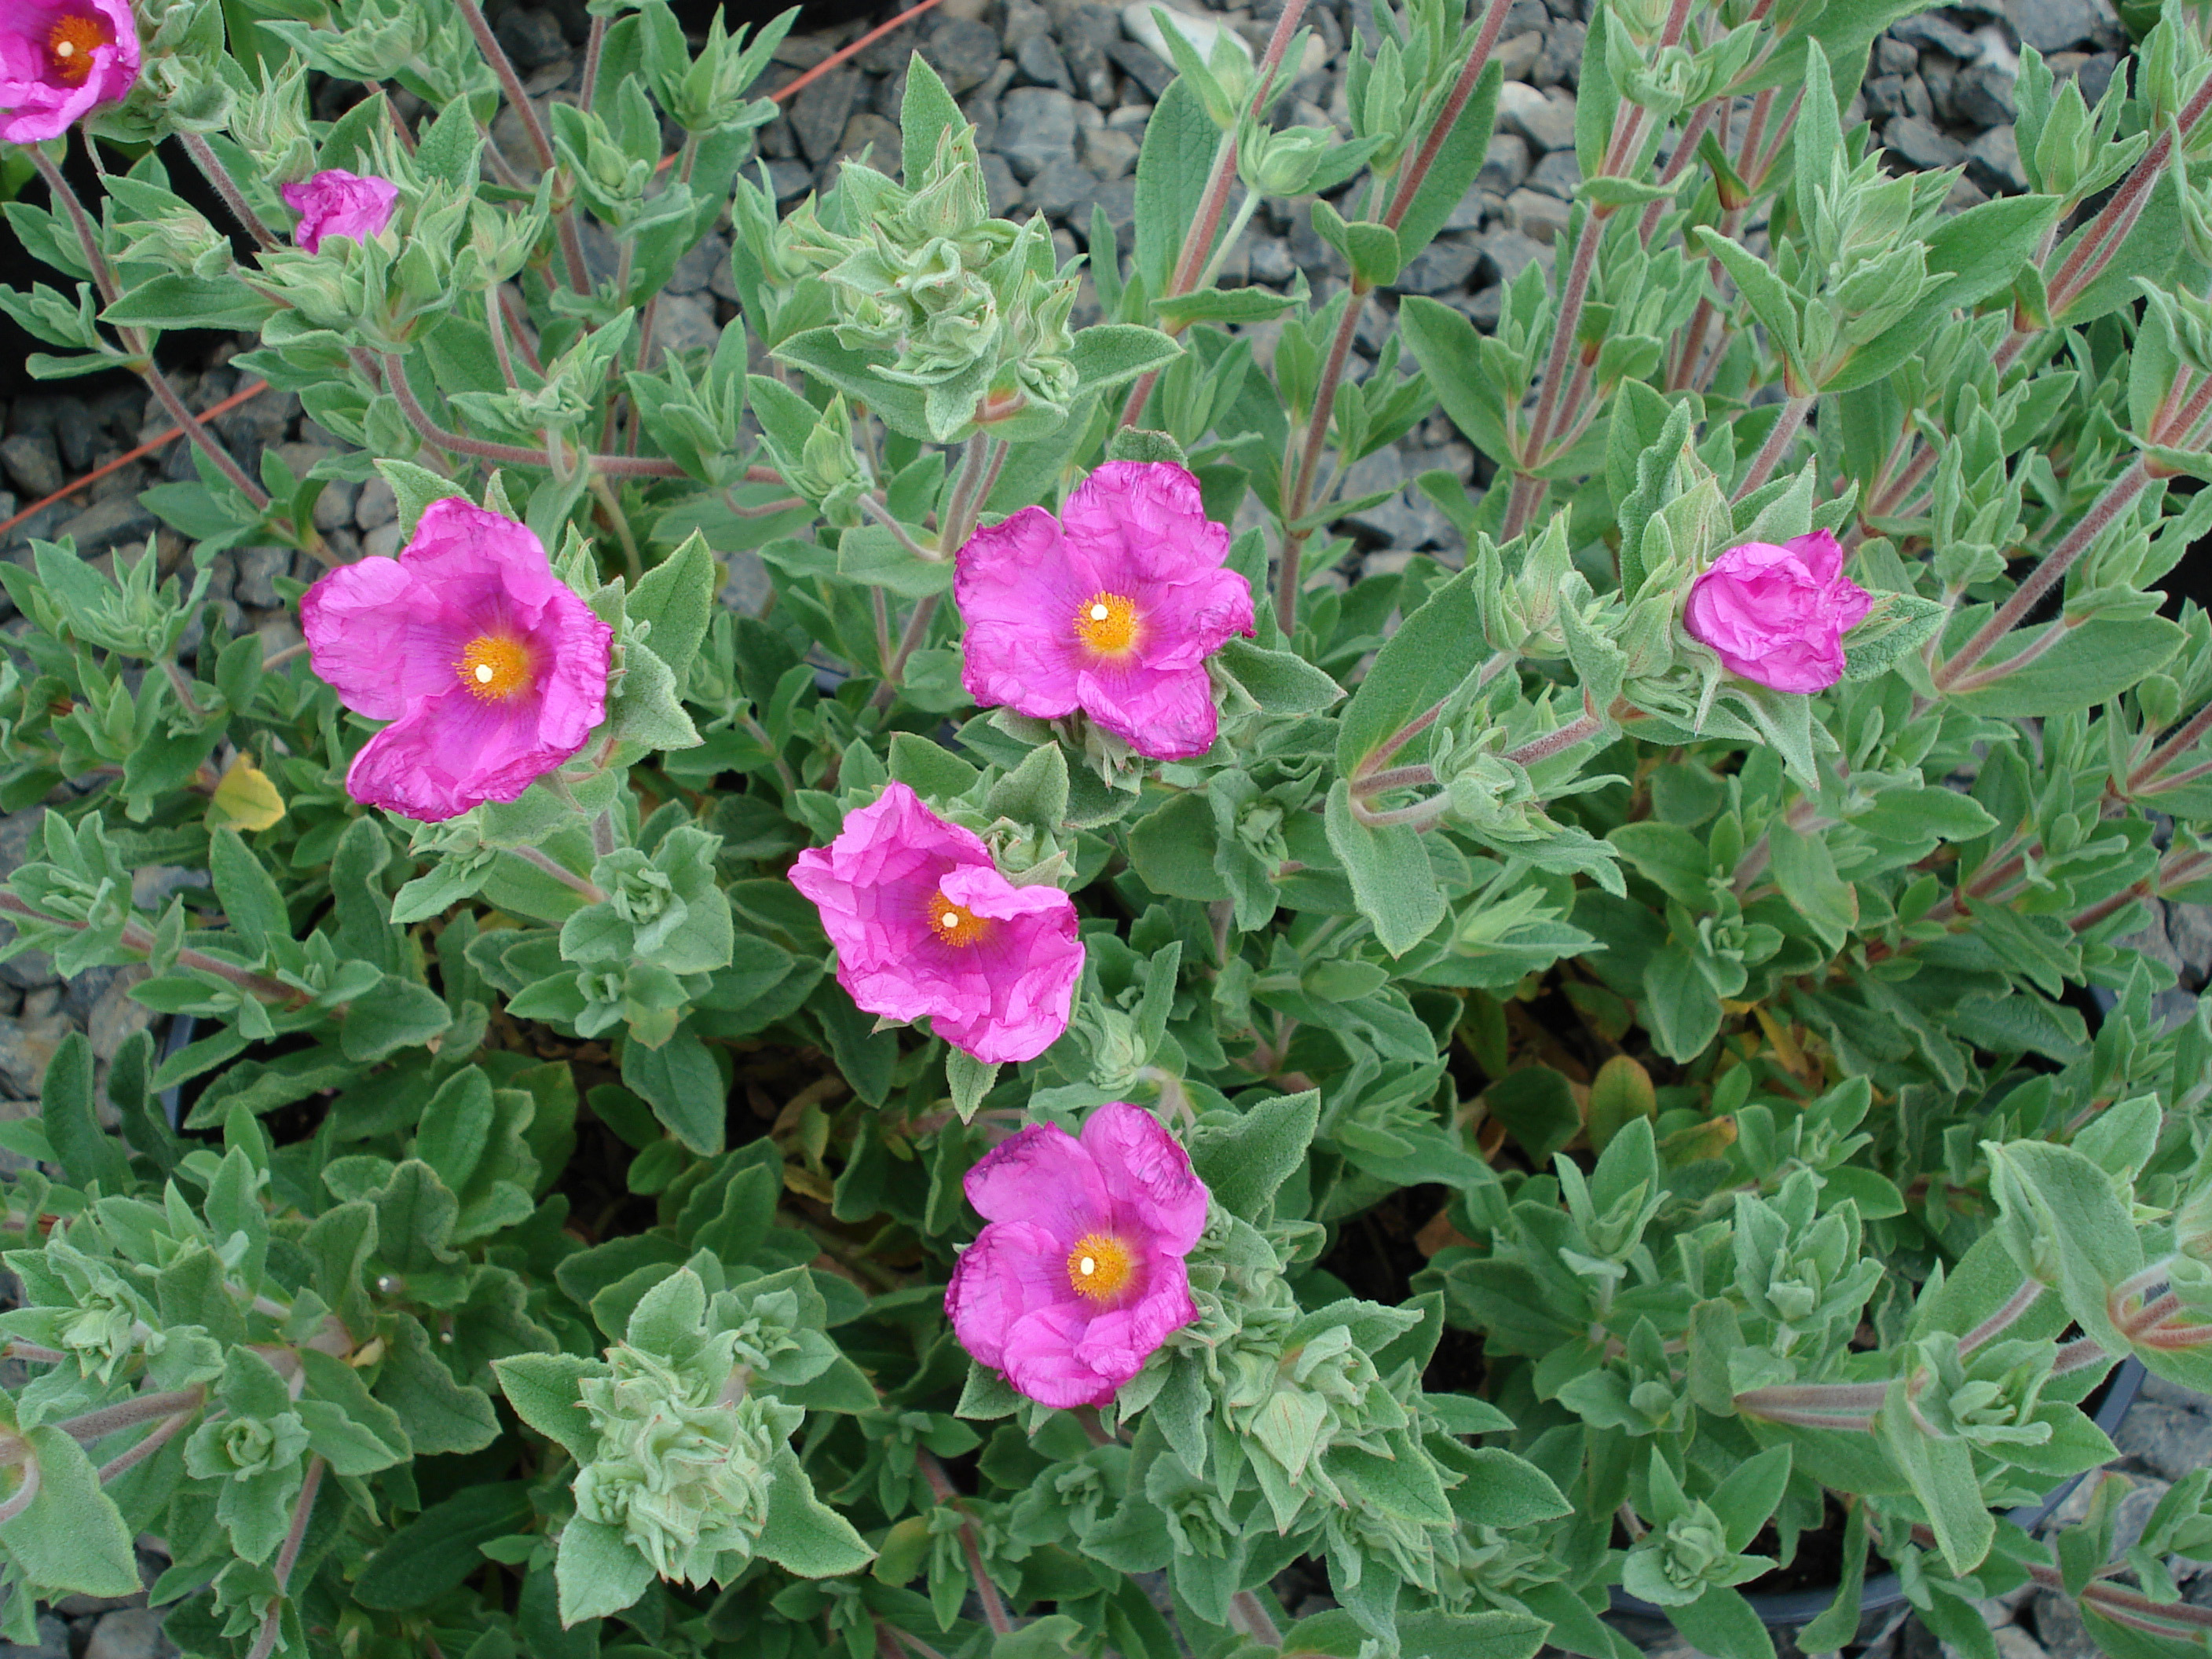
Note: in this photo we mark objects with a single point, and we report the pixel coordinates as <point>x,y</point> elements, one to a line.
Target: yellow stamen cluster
<point>1107,623</point>
<point>494,668</point>
<point>956,923</point>
<point>71,42</point>
<point>1099,1267</point>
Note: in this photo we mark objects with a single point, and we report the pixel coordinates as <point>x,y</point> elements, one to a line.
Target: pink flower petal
<point>335,202</point>
<point>1776,615</point>
<point>41,103</point>
<point>377,640</point>
<point>1005,1275</point>
<point>1047,1179</point>
<point>1149,1174</point>
<point>1044,1360</point>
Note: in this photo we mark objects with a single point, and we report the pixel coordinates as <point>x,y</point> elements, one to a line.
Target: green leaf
<point>2096,661</point>
<point>396,1013</point>
<point>1173,846</point>
<point>415,488</point>
<point>70,1538</point>
<point>250,899</point>
<point>1806,873</point>
<point>925,114</point>
<point>176,300</point>
<point>1107,354</point>
<point>543,1389</point>
<point>1537,1106</point>
<point>1942,1475</point>
<point>1770,298</point>
<point>439,1415</point>
<point>598,1572</point>
<point>970,1079</point>
<point>680,1081</point>
<point>1458,159</point>
<point>1245,1161</point>
<point>1172,167</point>
<point>1721,1625</point>
<point>805,1535</point>
<point>1393,882</point>
<point>1679,1003</point>
<point>676,597</point>
<point>1281,682</point>
<point>1422,664</point>
<point>648,709</point>
<point>2063,1223</point>
<point>87,1153</point>
<point>1034,793</point>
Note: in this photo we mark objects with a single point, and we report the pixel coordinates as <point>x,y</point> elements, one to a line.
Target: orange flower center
<point>1107,623</point>
<point>71,42</point>
<point>1099,1266</point>
<point>956,923</point>
<point>494,668</point>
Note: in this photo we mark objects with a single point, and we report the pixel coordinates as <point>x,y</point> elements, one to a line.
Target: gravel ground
<point>1060,93</point>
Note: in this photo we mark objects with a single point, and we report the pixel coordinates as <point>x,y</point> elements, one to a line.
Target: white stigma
<point>1087,1267</point>
<point>65,49</point>
<point>484,673</point>
<point>951,921</point>
<point>1099,613</point>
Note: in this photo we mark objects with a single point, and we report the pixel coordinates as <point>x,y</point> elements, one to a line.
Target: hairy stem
<point>572,246</point>
<point>94,1426</point>
<point>212,169</point>
<point>941,1488</point>
<point>2002,1320</point>
<point>1784,433</point>
<point>561,873</point>
<point>288,1557</point>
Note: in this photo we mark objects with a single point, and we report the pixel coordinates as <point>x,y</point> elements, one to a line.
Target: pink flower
<point>490,668</point>
<point>925,924</point>
<point>1777,615</point>
<point>335,202</point>
<point>1079,1275</point>
<point>1113,609</point>
<point>59,59</point>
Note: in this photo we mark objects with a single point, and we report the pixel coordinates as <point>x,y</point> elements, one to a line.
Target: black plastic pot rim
<point>1784,1609</point>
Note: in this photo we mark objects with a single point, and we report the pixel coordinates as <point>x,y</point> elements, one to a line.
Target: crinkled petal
<point>335,202</point>
<point>1010,996</point>
<point>1165,712</point>
<point>1017,597</point>
<point>452,752</point>
<point>1013,1269</point>
<point>1117,1343</point>
<point>375,638</point>
<point>463,555</point>
<point>575,650</point>
<point>1044,1360</point>
<point>1820,552</point>
<point>1044,1178</point>
<point>1143,522</point>
<point>1149,1174</point>
<point>40,105</point>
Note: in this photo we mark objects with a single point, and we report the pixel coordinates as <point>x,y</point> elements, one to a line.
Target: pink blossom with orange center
<point>1079,1277</point>
<point>491,669</point>
<point>926,928</point>
<point>60,60</point>
<point>1112,608</point>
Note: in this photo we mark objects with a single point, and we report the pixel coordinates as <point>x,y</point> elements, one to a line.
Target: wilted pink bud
<point>925,925</point>
<point>335,202</point>
<point>1113,609</point>
<point>490,668</point>
<point>1080,1275</point>
<point>1777,615</point>
<point>61,58</point>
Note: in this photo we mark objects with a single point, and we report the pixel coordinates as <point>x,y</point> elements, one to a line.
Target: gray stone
<point>1270,262</point>
<point>1982,95</point>
<point>684,322</point>
<point>1118,196</point>
<point>790,179</point>
<point>1086,35</point>
<point>1507,253</point>
<point>2172,1443</point>
<point>33,463</point>
<point>115,1018</point>
<point>1518,58</point>
<point>27,1047</point>
<point>2055,25</point>
<point>532,37</point>
<point>1026,20</point>
<point>1484,309</point>
<point>381,543</point>
<point>1556,174</point>
<point>334,507</point>
<point>2189,927</point>
<point>1545,120</point>
<point>2095,75</point>
<point>963,51</point>
<point>998,180</point>
<point>1562,62</point>
<point>117,521</point>
<point>2156,1390</point>
<point>76,435</point>
<point>377,505</point>
<point>2013,1643</point>
<point>2058,1628</point>
<point>1929,30</point>
<point>1993,162</point>
<point>745,587</point>
<point>695,269</point>
<point>1542,218</point>
<point>868,128</point>
<point>1037,127</point>
<point>1894,57</point>
<point>1504,164</point>
<point>257,569</point>
<point>1106,152</point>
<point>129,1633</point>
<point>1885,96</point>
<point>818,113</point>
<point>1920,146</point>
<point>53,1642</point>
<point>1056,190</point>
<point>1143,65</point>
<point>1038,62</point>
<point>1444,265</point>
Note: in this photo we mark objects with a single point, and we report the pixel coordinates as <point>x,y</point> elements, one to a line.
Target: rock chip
<point>117,521</point>
<point>532,37</point>
<point>257,570</point>
<point>1037,127</point>
<point>963,51</point>
<point>1920,146</point>
<point>1993,161</point>
<point>2055,25</point>
<point>1546,121</point>
<point>695,269</point>
<point>819,112</point>
<point>1556,174</point>
<point>376,505</point>
<point>1037,61</point>
<point>1504,164</point>
<point>129,1633</point>
<point>1507,253</point>
<point>1982,94</point>
<point>2173,1443</point>
<point>1143,65</point>
<point>33,464</point>
<point>1441,267</point>
<point>1929,29</point>
<point>1056,190</point>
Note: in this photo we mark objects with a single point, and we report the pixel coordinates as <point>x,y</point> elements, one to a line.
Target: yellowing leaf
<point>244,799</point>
